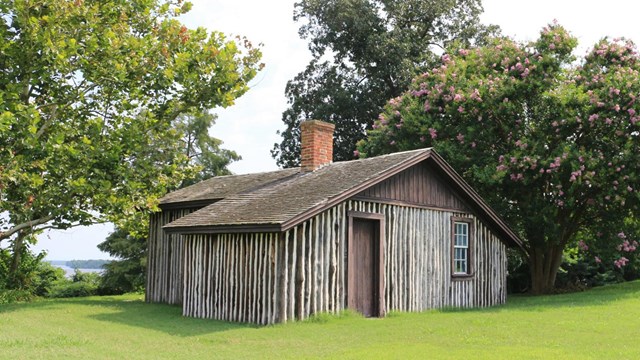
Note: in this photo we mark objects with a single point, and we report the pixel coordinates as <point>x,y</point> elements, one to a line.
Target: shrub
<point>8,296</point>
<point>80,284</point>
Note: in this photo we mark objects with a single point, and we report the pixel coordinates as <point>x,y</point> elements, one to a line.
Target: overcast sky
<point>249,127</point>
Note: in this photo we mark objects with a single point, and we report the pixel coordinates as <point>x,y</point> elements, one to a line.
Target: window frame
<point>469,222</point>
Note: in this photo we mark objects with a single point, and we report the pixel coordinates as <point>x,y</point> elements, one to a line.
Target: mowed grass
<point>603,323</point>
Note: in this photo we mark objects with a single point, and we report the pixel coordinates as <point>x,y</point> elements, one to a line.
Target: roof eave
<point>224,229</point>
<point>192,204</point>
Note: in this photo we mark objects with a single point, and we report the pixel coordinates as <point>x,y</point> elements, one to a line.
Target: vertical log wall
<point>164,259</point>
<point>268,278</point>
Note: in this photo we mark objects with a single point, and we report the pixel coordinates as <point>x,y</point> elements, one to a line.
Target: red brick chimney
<point>316,143</point>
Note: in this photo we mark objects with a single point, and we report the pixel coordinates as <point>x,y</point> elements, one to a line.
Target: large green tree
<point>364,53</point>
<point>89,96</point>
<point>553,144</point>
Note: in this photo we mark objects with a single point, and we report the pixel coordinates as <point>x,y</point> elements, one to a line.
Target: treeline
<point>87,264</point>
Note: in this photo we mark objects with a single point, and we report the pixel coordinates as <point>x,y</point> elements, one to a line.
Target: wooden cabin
<point>399,232</point>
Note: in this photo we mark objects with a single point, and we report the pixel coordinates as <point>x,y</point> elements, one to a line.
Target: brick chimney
<point>316,143</point>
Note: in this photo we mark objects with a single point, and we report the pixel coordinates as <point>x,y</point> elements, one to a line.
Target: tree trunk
<point>544,263</point>
<point>14,268</point>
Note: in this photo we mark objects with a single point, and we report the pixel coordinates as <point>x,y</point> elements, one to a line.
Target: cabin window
<point>461,249</point>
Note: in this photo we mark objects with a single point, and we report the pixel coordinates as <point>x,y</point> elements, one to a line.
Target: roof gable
<point>291,200</point>
<point>418,185</point>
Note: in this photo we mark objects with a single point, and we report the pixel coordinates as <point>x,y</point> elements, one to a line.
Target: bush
<point>80,284</point>
<point>34,277</point>
<point>518,278</point>
<point>8,296</point>
<point>72,289</point>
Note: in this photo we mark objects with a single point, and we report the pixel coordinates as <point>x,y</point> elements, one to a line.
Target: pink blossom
<point>460,109</point>
<point>473,144</point>
<point>593,117</point>
<point>629,189</point>
<point>475,95</point>
<point>597,259</point>
<point>622,235</point>
<point>627,246</point>
<point>632,112</point>
<point>422,139</point>
<point>433,132</point>
<point>501,168</point>
<point>398,125</point>
<point>457,97</point>
<point>460,138</point>
<point>616,107</point>
<point>392,142</point>
<point>356,153</point>
<point>621,262</point>
<point>583,246</point>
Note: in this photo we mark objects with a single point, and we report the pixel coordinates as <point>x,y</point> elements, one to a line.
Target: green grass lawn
<point>603,323</point>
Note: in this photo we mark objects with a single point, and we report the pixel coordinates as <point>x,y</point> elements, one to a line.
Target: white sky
<point>249,127</point>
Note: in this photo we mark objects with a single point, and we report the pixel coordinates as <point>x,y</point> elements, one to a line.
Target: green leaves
<point>89,97</point>
<point>364,53</point>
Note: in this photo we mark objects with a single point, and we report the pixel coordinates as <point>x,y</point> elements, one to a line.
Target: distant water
<point>70,271</point>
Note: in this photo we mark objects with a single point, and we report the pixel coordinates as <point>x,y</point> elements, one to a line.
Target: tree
<point>89,93</point>
<point>364,53</point>
<point>552,144</point>
<point>128,272</point>
<point>201,149</point>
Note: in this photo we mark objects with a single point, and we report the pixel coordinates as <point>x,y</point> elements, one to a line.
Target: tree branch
<point>24,225</point>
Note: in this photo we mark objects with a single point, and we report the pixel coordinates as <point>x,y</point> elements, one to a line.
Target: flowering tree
<point>553,144</point>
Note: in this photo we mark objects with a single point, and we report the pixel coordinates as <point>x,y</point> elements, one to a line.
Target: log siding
<point>266,278</point>
<point>164,259</point>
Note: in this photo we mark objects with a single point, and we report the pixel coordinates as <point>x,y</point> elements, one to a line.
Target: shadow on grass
<point>158,317</point>
<point>597,296</point>
<point>133,312</point>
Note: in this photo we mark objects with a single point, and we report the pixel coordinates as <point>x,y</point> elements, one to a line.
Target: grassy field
<point>603,323</point>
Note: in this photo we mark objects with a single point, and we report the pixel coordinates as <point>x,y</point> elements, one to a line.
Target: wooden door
<point>364,267</point>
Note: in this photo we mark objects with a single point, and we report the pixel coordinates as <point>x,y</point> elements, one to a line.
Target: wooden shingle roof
<point>286,198</point>
<point>220,187</point>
